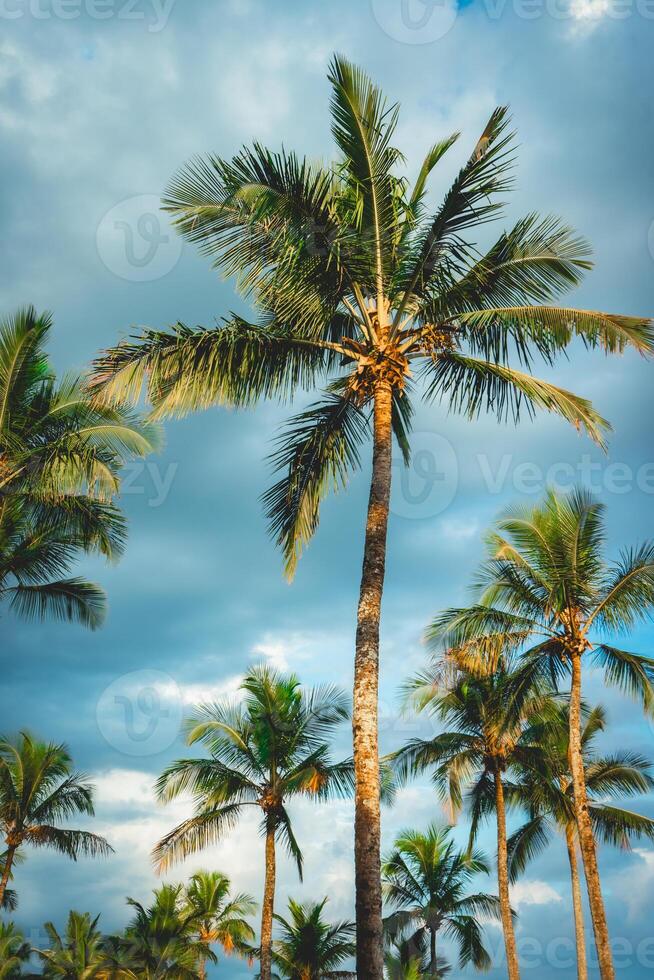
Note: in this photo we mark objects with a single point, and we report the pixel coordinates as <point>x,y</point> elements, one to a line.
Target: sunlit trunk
<point>367,857</point>
<point>6,872</point>
<point>267,907</point>
<point>577,905</point>
<point>585,830</point>
<point>513,968</point>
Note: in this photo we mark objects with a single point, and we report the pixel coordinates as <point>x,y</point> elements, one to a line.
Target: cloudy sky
<point>100,101</point>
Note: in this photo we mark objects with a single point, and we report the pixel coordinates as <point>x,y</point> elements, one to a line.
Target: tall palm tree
<point>218,916</point>
<point>426,881</point>
<point>160,942</point>
<point>38,790</point>
<point>14,951</point>
<point>357,285</point>
<point>264,750</point>
<point>484,744</point>
<point>549,797</point>
<point>547,589</point>
<point>60,461</point>
<point>308,947</point>
<point>78,954</point>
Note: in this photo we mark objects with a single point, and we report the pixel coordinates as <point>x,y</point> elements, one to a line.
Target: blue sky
<point>99,104</point>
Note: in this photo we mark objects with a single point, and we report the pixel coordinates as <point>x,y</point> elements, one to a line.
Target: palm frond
<point>469,385</point>
<point>185,369</point>
<point>631,672</point>
<point>362,126</point>
<point>525,844</point>
<point>316,453</point>
<point>284,831</point>
<point>619,827</point>
<point>433,156</point>
<point>72,843</point>
<point>71,600</point>
<point>628,594</point>
<point>469,202</point>
<point>555,327</point>
<point>195,834</point>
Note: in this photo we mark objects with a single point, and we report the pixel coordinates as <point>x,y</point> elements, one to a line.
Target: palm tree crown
<point>39,790</point>
<point>218,916</point>
<point>308,947</point>
<point>485,717</point>
<point>14,951</point>
<point>60,461</point>
<point>79,953</point>
<point>546,589</point>
<point>160,942</point>
<point>426,881</point>
<point>358,284</point>
<point>263,750</point>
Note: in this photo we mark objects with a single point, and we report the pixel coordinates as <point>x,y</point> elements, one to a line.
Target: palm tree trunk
<point>580,935</point>
<point>6,871</point>
<point>268,906</point>
<point>367,858</point>
<point>432,951</point>
<point>503,881</point>
<point>585,829</point>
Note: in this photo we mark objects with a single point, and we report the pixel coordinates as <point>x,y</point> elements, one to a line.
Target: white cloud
<point>634,883</point>
<point>590,9</point>
<point>534,893</point>
<point>191,694</point>
<point>284,651</point>
<point>459,529</point>
<point>128,787</point>
<point>586,15</point>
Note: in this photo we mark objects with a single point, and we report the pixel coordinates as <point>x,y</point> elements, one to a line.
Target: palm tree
<point>264,750</point>
<point>78,954</point>
<point>487,717</point>
<point>547,583</point>
<point>219,917</point>
<point>38,789</point>
<point>309,948</point>
<point>14,951</point>
<point>357,284</point>
<point>160,942</point>
<point>60,461</point>
<point>551,805</point>
<point>425,880</point>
